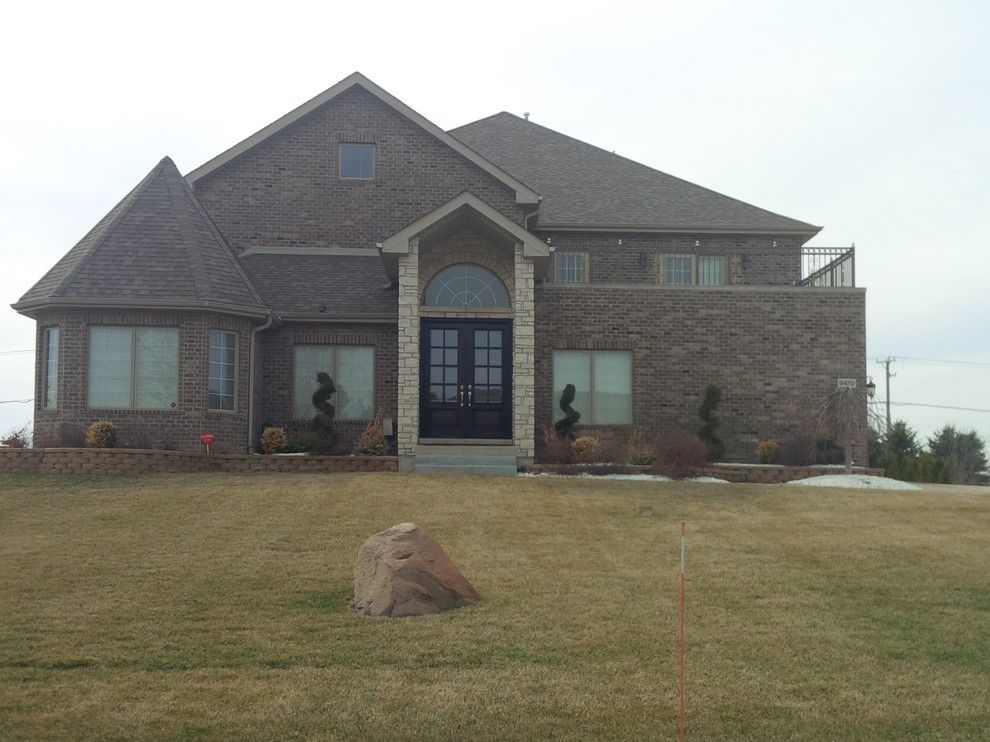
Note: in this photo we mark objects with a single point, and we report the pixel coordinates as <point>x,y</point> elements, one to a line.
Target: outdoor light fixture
<point>871,388</point>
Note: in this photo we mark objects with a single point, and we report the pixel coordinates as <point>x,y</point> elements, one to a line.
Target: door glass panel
<point>495,339</point>
<point>451,338</point>
<point>488,366</point>
<point>494,376</point>
<point>450,375</point>
<point>450,357</point>
<point>436,392</point>
<point>436,374</point>
<point>480,356</point>
<point>436,338</point>
<point>480,338</point>
<point>443,365</point>
<point>436,356</point>
<point>450,393</point>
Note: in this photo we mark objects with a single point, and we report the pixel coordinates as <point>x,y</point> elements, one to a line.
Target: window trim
<point>340,160</point>
<point>591,385</point>
<point>333,375</point>
<point>46,332</point>
<point>585,264</point>
<point>134,349</point>
<point>237,371</point>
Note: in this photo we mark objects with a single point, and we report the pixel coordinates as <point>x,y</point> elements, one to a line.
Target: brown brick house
<point>454,280</point>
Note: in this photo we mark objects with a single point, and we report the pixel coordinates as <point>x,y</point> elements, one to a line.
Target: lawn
<point>216,606</point>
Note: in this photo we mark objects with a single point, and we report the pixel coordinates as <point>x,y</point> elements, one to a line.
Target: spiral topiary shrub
<point>322,424</point>
<point>708,432</point>
<point>565,426</point>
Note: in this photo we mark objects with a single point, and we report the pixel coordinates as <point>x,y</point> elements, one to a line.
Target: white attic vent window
<point>357,161</point>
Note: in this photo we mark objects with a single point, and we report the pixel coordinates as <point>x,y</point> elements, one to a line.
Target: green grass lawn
<point>215,605</point>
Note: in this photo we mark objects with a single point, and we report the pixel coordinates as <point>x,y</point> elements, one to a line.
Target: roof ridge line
<point>197,266</point>
<point>88,253</point>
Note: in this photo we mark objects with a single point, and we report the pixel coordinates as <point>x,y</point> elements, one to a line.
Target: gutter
<point>252,354</point>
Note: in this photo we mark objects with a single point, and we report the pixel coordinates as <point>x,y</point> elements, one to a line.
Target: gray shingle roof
<point>584,185</point>
<point>343,285</point>
<point>156,246</point>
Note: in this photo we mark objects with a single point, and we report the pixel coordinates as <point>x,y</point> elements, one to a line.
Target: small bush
<point>680,455</point>
<point>273,440</point>
<point>101,434</point>
<point>372,442</point>
<point>767,451</point>
<point>638,453</point>
<point>556,449</point>
<point>19,438</point>
<point>587,449</point>
<point>798,449</point>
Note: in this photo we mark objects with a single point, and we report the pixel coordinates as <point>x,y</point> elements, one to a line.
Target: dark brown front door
<point>466,379</point>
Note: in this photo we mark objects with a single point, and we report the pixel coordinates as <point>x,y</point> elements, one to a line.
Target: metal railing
<point>828,266</point>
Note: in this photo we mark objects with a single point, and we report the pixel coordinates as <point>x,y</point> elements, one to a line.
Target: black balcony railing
<point>828,266</point>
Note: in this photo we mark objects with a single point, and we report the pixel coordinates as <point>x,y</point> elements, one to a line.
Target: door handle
<point>460,395</point>
<point>469,395</point>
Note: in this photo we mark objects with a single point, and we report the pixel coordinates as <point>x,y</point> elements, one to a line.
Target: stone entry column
<point>523,358</point>
<point>407,434</point>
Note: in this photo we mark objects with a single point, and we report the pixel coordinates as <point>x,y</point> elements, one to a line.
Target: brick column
<point>523,358</point>
<point>407,433</point>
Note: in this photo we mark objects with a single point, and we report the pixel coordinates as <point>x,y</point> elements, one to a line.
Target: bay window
<point>133,367</point>
<point>223,370</point>
<point>49,369</point>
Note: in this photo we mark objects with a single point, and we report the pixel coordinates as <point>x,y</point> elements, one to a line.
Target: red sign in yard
<point>206,438</point>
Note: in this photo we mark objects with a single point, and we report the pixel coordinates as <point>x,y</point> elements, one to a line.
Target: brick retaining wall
<point>143,461</point>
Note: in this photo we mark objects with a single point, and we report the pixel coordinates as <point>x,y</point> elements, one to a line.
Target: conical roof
<point>157,247</point>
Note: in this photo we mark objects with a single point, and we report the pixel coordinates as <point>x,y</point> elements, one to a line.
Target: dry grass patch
<point>191,605</point>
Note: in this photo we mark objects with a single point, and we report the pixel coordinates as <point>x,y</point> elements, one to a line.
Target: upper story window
<point>465,285</point>
<point>357,161</point>
<point>570,267</point>
<point>49,369</point>
<point>692,270</point>
<point>133,367</point>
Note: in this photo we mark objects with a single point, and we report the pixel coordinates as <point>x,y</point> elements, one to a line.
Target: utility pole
<point>885,362</point>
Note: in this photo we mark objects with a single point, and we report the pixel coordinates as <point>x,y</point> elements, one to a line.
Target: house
<point>455,280</point>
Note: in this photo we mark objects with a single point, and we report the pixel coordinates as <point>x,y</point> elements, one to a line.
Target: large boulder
<point>402,571</point>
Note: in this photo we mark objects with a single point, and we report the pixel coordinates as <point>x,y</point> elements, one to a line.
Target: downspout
<point>252,353</point>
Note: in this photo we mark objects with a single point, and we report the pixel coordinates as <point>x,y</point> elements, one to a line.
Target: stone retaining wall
<point>142,461</point>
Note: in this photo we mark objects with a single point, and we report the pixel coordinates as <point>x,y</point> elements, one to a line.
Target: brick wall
<point>750,260</point>
<point>276,360</point>
<point>173,429</point>
<point>774,352</point>
<point>122,461</point>
<point>286,190</point>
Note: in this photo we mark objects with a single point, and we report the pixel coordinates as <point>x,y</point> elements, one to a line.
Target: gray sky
<point>868,118</point>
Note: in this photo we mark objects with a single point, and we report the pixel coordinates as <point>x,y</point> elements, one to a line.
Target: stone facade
<point>774,351</point>
<point>523,355</point>
<point>66,424</point>
<point>408,366</point>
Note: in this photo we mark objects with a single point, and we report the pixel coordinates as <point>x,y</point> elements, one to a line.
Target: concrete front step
<point>494,460</point>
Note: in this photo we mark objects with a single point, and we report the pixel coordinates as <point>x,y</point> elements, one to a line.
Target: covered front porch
<point>465,274</point>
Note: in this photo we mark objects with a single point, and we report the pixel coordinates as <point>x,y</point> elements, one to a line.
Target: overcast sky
<point>870,118</point>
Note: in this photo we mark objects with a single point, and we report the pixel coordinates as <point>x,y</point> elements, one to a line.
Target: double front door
<point>466,379</point>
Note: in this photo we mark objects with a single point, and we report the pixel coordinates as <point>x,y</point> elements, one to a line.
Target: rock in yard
<point>402,571</point>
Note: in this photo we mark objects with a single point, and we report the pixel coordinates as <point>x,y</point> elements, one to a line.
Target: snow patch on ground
<point>856,481</point>
<point>624,477</point>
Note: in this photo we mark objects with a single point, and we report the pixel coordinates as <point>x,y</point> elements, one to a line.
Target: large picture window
<point>49,382</point>
<point>352,369</point>
<point>602,382</point>
<point>223,370</point>
<point>133,367</point>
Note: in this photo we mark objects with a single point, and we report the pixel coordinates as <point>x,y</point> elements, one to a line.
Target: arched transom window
<point>465,285</point>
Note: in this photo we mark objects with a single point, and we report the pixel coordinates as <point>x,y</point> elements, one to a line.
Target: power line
<point>936,406</point>
<point>15,401</point>
<point>945,361</point>
<point>15,352</point>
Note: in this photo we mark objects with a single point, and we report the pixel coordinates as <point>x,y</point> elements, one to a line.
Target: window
<point>690,270</point>
<point>710,271</point>
<point>602,381</point>
<point>357,161</point>
<point>570,267</point>
<point>352,368</point>
<point>677,270</point>
<point>49,369</point>
<point>223,369</point>
<point>133,367</point>
<point>465,285</point>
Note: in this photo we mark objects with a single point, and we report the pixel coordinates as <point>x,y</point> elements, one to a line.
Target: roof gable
<point>156,247</point>
<point>524,194</point>
<point>586,187</point>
